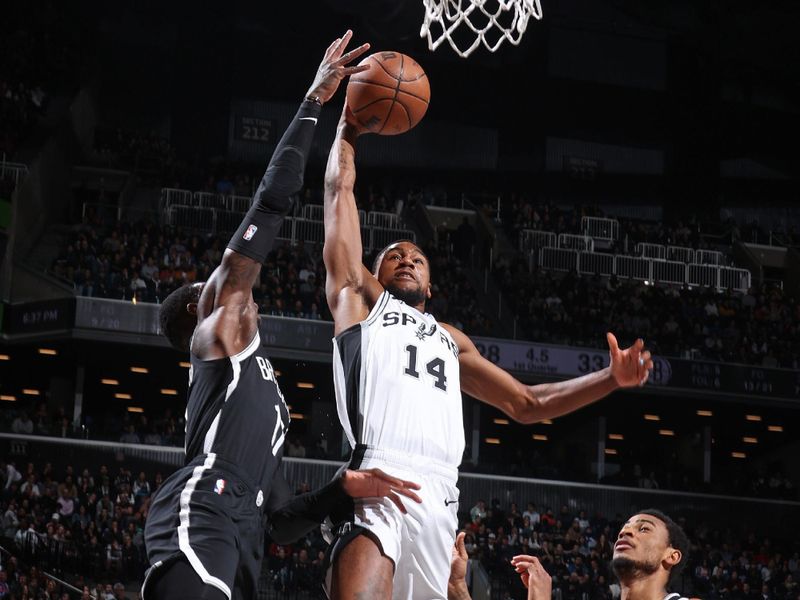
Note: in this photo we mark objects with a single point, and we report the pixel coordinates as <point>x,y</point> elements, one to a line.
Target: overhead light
<point>135,409</point>
<point>666,432</point>
<point>123,396</point>
<point>5,357</point>
<point>738,455</point>
<point>755,418</point>
<point>750,440</point>
<point>501,421</point>
<point>539,437</point>
<point>169,392</point>
<point>492,440</point>
<point>616,436</point>
<point>109,381</point>
<point>297,416</point>
<point>610,451</point>
<point>8,398</point>
<point>47,351</point>
<point>305,385</point>
<point>140,370</point>
<point>775,428</point>
<point>652,418</point>
<point>546,422</point>
<point>705,413</point>
<point>184,364</point>
<point>31,392</point>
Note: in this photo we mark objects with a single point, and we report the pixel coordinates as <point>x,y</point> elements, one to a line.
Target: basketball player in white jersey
<point>399,375</point>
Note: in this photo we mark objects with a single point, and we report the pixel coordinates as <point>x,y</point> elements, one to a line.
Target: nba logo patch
<point>219,487</point>
<point>251,231</point>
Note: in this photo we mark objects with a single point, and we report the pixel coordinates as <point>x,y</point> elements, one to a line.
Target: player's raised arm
<point>227,299</point>
<point>349,287</point>
<point>489,383</point>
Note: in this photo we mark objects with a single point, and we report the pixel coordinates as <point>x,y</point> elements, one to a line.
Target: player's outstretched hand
<point>534,577</point>
<point>458,559</point>
<point>333,68</point>
<point>631,366</point>
<point>374,483</point>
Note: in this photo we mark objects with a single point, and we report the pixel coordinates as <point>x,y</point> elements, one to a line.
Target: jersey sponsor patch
<point>219,486</point>
<point>250,232</point>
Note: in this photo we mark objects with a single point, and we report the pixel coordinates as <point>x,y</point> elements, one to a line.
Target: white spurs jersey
<point>397,383</point>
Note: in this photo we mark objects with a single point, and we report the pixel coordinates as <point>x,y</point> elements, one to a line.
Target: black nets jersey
<point>236,412</point>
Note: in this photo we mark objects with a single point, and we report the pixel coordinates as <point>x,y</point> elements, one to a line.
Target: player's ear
<point>428,292</point>
<point>672,557</point>
<point>191,308</point>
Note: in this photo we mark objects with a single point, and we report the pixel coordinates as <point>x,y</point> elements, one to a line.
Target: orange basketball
<point>391,96</point>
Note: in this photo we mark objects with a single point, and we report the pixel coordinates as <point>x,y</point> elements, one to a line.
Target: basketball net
<point>507,22</point>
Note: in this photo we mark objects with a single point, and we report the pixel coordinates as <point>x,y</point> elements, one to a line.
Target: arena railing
<point>600,228</point>
<point>170,196</point>
<point>650,250</point>
<point>530,239</point>
<point>680,253</point>
<point>558,259</point>
<point>642,269</point>
<point>608,500</point>
<point>12,170</point>
<point>383,219</point>
<point>595,263</point>
<point>581,243</point>
<point>709,257</point>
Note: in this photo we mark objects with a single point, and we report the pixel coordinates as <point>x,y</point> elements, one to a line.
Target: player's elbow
<point>528,409</point>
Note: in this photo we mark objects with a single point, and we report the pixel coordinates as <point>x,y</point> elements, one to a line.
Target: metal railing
<point>632,267</point>
<point>600,228</point>
<point>531,239</point>
<point>383,219</point>
<point>12,170</point>
<point>558,259</point>
<point>669,271</point>
<point>581,243</point>
<point>650,250</point>
<point>649,270</point>
<point>680,253</point>
<point>595,263</point>
<point>709,257</point>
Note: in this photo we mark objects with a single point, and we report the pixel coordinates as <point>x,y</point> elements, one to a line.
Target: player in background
<point>649,555</point>
<point>205,528</point>
<point>399,375</point>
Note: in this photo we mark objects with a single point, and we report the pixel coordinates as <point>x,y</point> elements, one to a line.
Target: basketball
<point>391,96</point>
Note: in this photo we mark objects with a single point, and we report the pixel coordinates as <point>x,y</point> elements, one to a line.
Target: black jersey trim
<point>349,346</point>
<point>383,300</point>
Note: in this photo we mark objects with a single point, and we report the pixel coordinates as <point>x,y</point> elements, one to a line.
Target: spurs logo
<point>422,334</point>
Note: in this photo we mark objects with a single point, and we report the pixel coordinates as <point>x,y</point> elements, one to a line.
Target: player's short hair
<point>676,538</point>
<point>376,264</point>
<point>177,324</point>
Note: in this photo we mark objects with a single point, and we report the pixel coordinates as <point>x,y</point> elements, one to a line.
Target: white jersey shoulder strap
<point>675,597</point>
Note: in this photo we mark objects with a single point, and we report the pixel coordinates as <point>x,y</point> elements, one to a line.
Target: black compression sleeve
<point>282,181</point>
<point>290,518</point>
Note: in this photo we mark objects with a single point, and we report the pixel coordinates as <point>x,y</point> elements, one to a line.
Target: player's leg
<point>179,581</point>
<point>360,570</point>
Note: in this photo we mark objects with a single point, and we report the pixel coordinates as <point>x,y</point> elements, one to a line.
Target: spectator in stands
<point>22,424</point>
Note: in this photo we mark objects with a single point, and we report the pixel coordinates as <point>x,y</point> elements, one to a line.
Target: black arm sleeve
<point>290,517</point>
<point>282,181</point>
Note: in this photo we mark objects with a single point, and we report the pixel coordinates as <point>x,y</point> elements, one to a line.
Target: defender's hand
<point>374,483</point>
<point>631,366</point>
<point>534,577</point>
<point>332,70</point>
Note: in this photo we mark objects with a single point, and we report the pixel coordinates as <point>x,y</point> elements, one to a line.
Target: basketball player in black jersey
<point>650,553</point>
<point>205,529</point>
<point>363,565</point>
